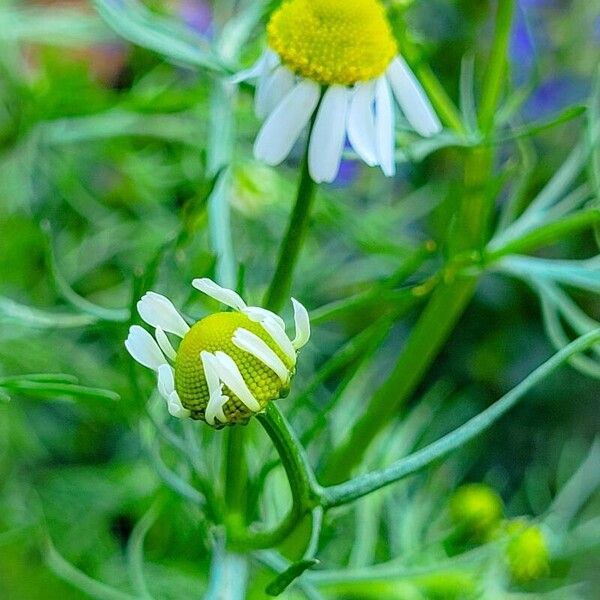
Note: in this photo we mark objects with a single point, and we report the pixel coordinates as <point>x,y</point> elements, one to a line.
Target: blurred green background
<point>104,178</point>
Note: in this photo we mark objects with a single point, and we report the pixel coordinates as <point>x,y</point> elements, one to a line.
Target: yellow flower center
<point>333,41</point>
<point>215,333</point>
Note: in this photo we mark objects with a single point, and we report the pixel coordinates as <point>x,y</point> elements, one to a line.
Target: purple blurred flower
<point>348,173</point>
<point>555,95</point>
<point>522,47</point>
<point>197,15</point>
<point>596,33</point>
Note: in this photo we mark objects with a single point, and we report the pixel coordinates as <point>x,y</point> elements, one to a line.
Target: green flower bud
<point>227,366</point>
<point>476,510</point>
<point>527,552</point>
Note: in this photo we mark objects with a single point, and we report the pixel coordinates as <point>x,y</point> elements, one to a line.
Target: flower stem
<point>235,476</point>
<point>281,284</point>
<point>496,71</point>
<point>306,492</point>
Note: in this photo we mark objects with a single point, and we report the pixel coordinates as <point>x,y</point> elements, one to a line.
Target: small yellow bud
<point>527,552</point>
<point>476,510</point>
<point>213,334</point>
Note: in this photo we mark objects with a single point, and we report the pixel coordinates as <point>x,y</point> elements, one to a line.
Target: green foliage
<point>456,331</point>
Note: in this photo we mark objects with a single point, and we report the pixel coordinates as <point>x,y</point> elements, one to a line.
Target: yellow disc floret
<point>215,333</point>
<point>333,41</point>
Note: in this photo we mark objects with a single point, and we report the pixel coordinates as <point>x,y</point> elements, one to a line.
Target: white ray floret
<point>284,125</point>
<point>165,344</point>
<point>257,314</point>
<point>329,134</point>
<point>229,374</point>
<point>363,112</point>
<point>159,311</point>
<point>412,99</point>
<point>166,387</point>
<point>166,381</point>
<point>276,88</point>
<point>217,399</point>
<point>261,68</point>
<point>175,408</point>
<point>384,127</point>
<point>280,337</point>
<point>251,343</point>
<point>361,123</point>
<point>302,324</point>
<point>143,348</point>
<point>221,294</point>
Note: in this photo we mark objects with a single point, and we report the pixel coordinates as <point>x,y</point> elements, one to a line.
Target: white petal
<point>165,344</point>
<point>274,329</point>
<point>175,407</point>
<point>159,311</point>
<point>361,123</point>
<point>217,399</point>
<point>230,375</point>
<point>257,314</point>
<point>302,322</point>
<point>251,343</point>
<point>142,346</point>
<point>412,99</point>
<point>266,59</point>
<point>223,295</point>
<point>385,127</point>
<point>166,381</point>
<point>279,83</point>
<point>329,135</point>
<point>285,124</point>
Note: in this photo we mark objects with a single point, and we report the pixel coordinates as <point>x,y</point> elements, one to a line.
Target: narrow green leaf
<point>57,390</point>
<point>133,21</point>
<point>283,581</point>
<point>13,312</point>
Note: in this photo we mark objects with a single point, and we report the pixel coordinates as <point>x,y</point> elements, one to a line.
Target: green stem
<point>496,70</point>
<point>305,489</point>
<point>428,336</point>
<point>306,492</point>
<point>281,284</point>
<point>365,484</point>
<point>451,298</point>
<point>547,234</point>
<point>235,479</point>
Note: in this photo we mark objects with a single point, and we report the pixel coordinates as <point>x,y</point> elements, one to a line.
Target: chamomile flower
<point>228,365</point>
<point>334,63</point>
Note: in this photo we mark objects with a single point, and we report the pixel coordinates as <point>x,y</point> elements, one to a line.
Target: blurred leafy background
<point>107,170</point>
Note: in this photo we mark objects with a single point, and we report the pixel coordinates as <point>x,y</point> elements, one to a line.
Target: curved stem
<point>306,492</point>
<point>365,484</point>
<point>496,71</point>
<point>291,246</point>
<point>305,489</point>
